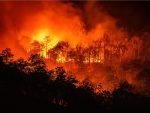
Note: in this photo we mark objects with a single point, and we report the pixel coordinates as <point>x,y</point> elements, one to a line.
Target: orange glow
<point>45,37</point>
<point>100,46</point>
<point>40,35</point>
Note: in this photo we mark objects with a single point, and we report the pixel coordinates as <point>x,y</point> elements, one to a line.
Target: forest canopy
<point>27,86</point>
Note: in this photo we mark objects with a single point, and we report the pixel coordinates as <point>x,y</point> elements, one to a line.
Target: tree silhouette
<point>37,63</point>
<point>61,49</point>
<point>21,64</point>
<point>36,48</point>
<point>43,90</point>
<point>6,55</point>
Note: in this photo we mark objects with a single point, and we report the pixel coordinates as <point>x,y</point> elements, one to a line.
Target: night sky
<point>133,16</point>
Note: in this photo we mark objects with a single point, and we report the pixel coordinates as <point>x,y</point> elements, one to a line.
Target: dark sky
<point>133,16</point>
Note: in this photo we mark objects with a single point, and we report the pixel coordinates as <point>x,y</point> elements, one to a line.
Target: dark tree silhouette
<point>6,55</point>
<point>27,86</point>
<point>37,63</point>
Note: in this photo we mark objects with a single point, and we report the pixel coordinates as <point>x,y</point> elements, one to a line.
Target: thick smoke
<point>13,15</point>
<point>23,22</point>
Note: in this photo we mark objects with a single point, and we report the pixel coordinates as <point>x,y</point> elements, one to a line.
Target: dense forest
<point>105,49</point>
<point>27,86</point>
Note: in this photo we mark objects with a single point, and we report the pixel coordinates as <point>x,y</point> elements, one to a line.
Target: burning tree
<point>36,48</point>
<point>61,50</point>
<point>6,55</point>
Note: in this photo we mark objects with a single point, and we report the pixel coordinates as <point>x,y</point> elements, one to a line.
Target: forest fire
<point>45,41</point>
<point>85,40</point>
<point>74,57</point>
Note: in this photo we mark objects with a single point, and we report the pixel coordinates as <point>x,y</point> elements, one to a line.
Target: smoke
<point>23,22</point>
<point>13,15</point>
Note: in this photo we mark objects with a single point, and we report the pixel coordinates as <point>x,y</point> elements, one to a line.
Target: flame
<point>40,35</point>
<point>51,22</point>
<point>46,38</point>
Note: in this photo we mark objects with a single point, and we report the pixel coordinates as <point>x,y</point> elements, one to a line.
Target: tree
<point>37,62</point>
<point>88,52</point>
<point>87,86</point>
<point>6,55</point>
<point>36,48</point>
<point>97,49</point>
<point>71,80</point>
<point>71,54</point>
<point>46,44</point>
<point>61,49</point>
<point>79,55</point>
<point>21,64</point>
<point>61,74</point>
<point>52,55</point>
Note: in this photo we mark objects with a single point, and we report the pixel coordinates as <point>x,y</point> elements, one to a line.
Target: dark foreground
<point>26,86</point>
